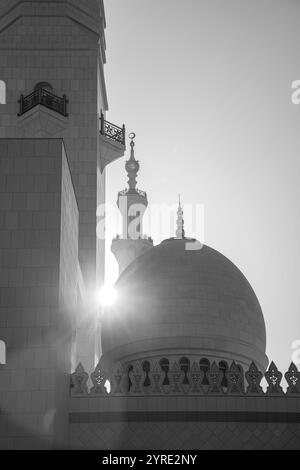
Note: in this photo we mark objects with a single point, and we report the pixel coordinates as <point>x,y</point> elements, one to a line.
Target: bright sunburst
<point>107,295</point>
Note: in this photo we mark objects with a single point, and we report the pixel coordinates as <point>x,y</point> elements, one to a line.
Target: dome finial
<point>132,165</point>
<point>180,222</point>
<point>132,143</point>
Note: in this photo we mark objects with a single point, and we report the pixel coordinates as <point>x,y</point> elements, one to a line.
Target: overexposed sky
<point>206,87</point>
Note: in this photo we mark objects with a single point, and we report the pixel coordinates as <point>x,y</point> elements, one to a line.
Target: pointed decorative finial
<point>132,137</point>
<point>132,165</point>
<point>180,222</point>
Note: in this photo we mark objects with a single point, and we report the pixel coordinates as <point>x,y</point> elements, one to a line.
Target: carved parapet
<point>235,377</point>
<point>292,376</point>
<point>215,378</point>
<point>99,379</point>
<point>273,377</point>
<point>254,378</point>
<point>119,381</point>
<point>184,376</point>
<point>197,376</point>
<point>79,380</point>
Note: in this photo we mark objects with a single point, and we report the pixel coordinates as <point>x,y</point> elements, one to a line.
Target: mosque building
<point>182,354</point>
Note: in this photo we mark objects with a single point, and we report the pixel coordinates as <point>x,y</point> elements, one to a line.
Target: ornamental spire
<point>132,166</point>
<point>180,221</point>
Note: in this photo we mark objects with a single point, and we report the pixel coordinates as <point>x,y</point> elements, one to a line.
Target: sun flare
<point>107,295</point>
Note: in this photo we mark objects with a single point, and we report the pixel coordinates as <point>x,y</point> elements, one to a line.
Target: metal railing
<point>111,131</point>
<point>125,192</point>
<point>45,98</point>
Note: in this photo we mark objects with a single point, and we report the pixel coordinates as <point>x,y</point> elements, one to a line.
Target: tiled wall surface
<point>63,52</point>
<point>38,260</point>
<point>63,43</point>
<point>185,422</point>
<point>186,435</point>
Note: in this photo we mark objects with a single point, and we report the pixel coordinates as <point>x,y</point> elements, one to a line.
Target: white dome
<point>174,301</point>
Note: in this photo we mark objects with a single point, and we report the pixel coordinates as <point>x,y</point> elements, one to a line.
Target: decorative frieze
<point>169,376</point>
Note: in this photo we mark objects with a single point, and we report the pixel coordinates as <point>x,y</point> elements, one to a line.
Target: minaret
<point>132,204</point>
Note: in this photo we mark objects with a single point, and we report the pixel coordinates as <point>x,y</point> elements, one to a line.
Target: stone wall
<point>62,43</point>
<point>175,435</point>
<point>180,404</point>
<point>58,43</point>
<point>38,261</point>
<point>185,422</point>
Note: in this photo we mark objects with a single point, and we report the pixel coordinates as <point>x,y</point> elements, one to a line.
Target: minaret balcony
<point>141,237</point>
<point>126,192</point>
<point>126,250</point>
<point>112,142</point>
<point>43,97</point>
<point>42,113</point>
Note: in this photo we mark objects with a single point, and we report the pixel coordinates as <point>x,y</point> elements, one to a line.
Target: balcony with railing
<point>127,191</point>
<point>112,141</point>
<point>41,96</point>
<point>111,131</point>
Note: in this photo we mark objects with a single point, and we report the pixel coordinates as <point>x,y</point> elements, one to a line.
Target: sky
<point>206,87</point>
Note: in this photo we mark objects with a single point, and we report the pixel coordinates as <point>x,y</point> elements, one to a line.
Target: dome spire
<point>132,166</point>
<point>180,222</point>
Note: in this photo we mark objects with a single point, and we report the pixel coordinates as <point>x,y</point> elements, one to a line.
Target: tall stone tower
<point>53,53</point>
<point>132,204</point>
<point>59,47</point>
<point>55,143</point>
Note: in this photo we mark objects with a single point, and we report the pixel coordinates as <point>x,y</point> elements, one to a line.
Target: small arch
<point>2,92</point>
<point>165,367</point>
<point>184,364</point>
<point>2,352</point>
<point>205,367</point>
<point>146,369</point>
<point>43,85</point>
<point>223,367</point>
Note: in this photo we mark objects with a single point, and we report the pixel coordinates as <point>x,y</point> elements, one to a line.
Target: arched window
<point>2,92</point>
<point>184,363</point>
<point>44,85</point>
<point>223,367</point>
<point>204,366</point>
<point>165,367</point>
<point>2,352</point>
<point>146,369</point>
